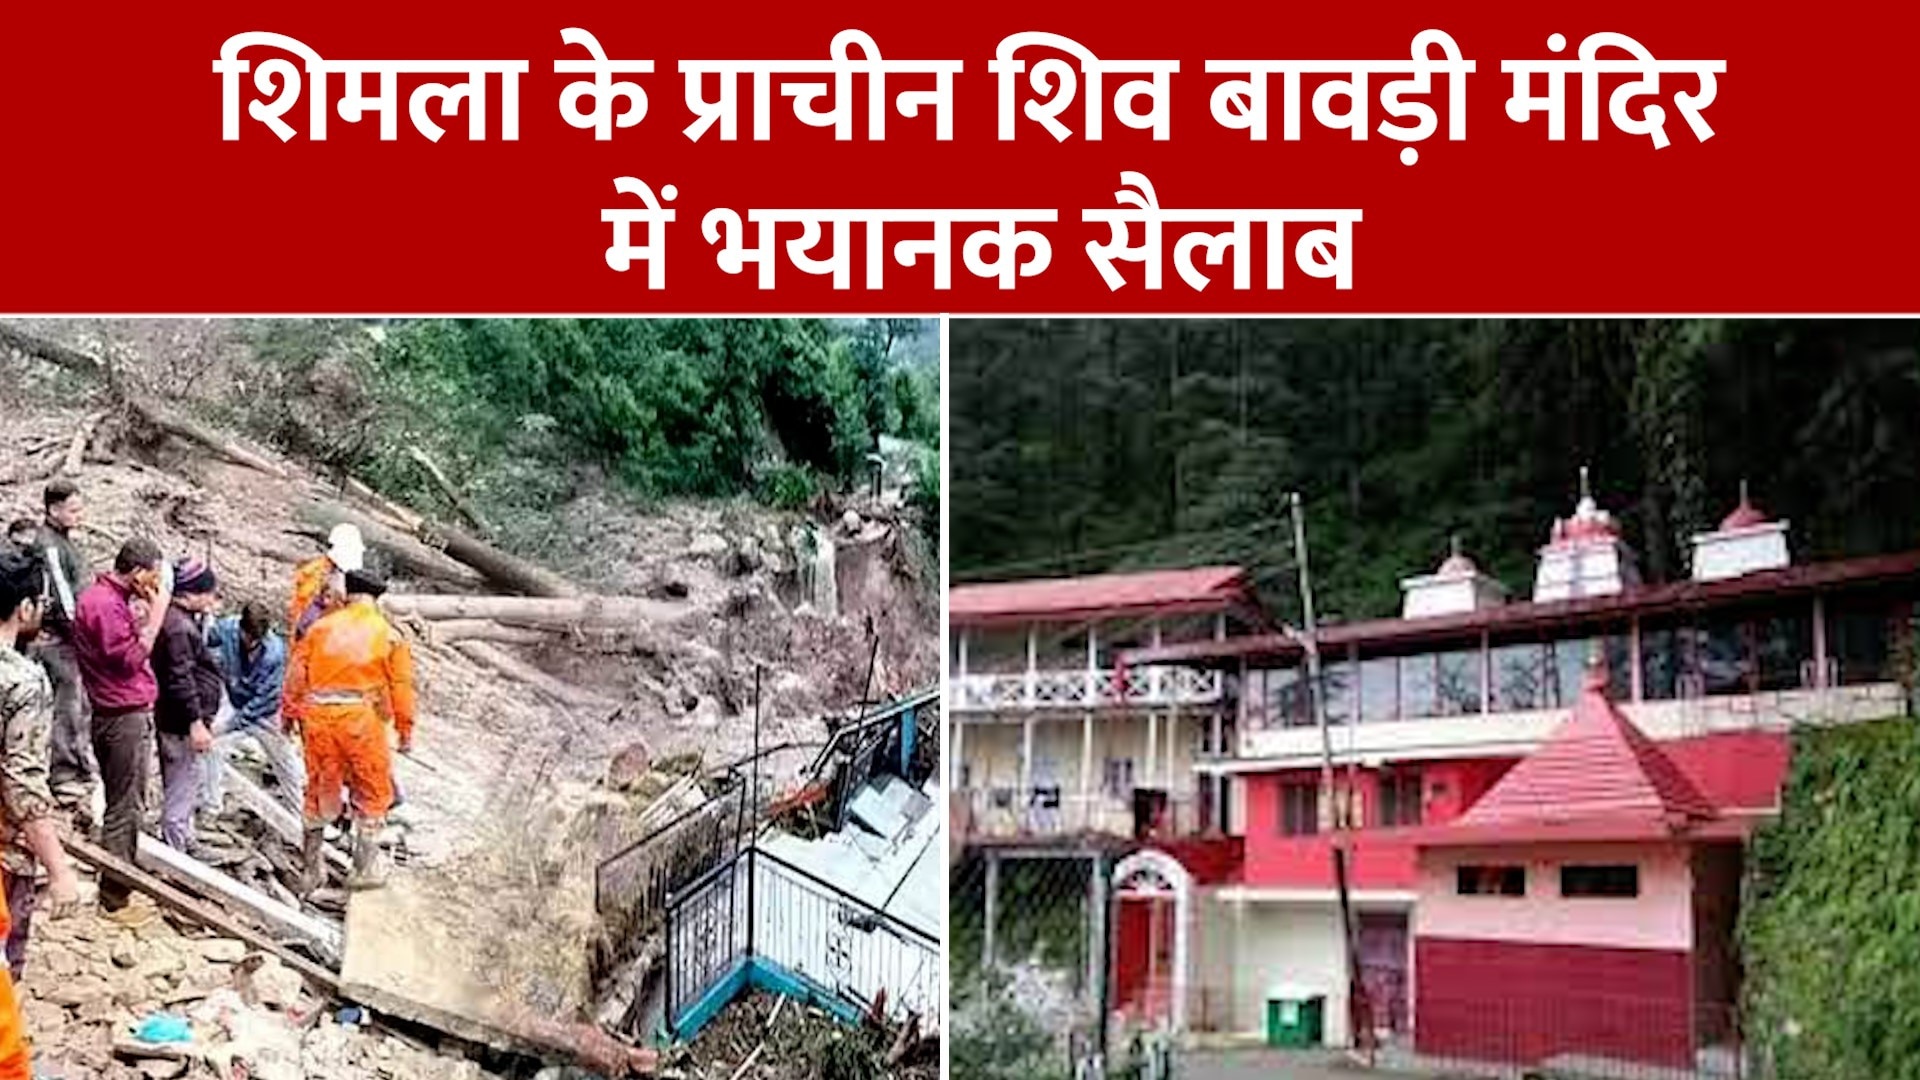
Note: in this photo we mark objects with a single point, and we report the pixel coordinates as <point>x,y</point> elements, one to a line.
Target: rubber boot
<point>313,865</point>
<point>369,865</point>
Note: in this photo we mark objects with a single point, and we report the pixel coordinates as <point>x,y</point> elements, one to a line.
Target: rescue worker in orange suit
<point>316,582</point>
<point>348,678</point>
<point>16,1058</point>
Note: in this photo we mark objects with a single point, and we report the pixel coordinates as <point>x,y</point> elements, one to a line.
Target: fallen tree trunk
<point>195,909</point>
<point>86,363</point>
<point>409,555</point>
<point>589,612</point>
<point>453,630</point>
<point>446,487</point>
<point>521,672</point>
<point>514,574</point>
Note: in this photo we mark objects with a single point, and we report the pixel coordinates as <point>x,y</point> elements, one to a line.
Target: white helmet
<point>345,547</point>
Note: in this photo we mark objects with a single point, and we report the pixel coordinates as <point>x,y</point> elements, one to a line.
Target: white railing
<point>1009,812</point>
<point>1084,688</point>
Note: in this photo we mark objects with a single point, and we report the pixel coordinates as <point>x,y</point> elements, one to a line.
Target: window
<point>1379,689</point>
<point>1783,645</point>
<point>1400,799</point>
<point>1520,677</point>
<point>1662,661</point>
<point>1336,690</point>
<point>1457,682</point>
<point>1568,666</point>
<point>1600,881</point>
<point>1299,808</point>
<point>1118,779</point>
<point>1491,881</point>
<point>1418,694</point>
<point>1859,639</point>
<point>1725,655</point>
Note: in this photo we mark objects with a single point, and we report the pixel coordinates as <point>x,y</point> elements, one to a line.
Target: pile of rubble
<point>524,700</point>
<point>91,985</point>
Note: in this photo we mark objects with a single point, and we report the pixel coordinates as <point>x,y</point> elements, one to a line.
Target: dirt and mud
<point>508,808</point>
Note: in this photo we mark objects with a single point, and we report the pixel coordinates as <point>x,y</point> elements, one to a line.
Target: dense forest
<point>1082,446</point>
<point>524,412</point>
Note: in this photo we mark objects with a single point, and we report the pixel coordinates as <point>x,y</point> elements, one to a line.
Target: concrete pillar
<point>1821,679</point>
<point>1153,746</point>
<point>1026,766</point>
<point>1086,769</point>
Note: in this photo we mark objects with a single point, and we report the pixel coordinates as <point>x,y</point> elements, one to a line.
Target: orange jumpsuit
<point>309,588</point>
<point>347,677</point>
<point>16,1060</point>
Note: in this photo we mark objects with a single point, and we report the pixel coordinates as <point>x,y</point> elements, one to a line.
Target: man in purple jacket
<point>115,624</point>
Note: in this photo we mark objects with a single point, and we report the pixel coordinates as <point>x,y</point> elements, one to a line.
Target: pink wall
<point>1382,858</point>
<point>1661,917</point>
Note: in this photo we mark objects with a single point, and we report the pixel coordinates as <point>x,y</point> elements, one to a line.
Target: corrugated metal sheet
<point>1206,588</point>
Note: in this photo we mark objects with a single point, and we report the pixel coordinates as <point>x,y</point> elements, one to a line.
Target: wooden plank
<point>192,873</point>
<point>195,909</point>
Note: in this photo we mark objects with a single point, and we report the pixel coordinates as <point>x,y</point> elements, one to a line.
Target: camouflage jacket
<point>26,732</point>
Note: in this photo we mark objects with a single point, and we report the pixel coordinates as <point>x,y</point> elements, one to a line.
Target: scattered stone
<point>76,992</point>
<point>223,950</point>
<point>629,766</point>
<point>123,955</point>
<point>162,1069</point>
<point>705,544</point>
<point>279,986</point>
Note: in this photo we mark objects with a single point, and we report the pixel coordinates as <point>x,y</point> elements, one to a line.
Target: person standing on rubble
<point>32,836</point>
<point>190,688</point>
<point>71,769</point>
<point>253,661</point>
<point>350,675</point>
<point>23,534</point>
<point>318,585</point>
<point>115,624</point>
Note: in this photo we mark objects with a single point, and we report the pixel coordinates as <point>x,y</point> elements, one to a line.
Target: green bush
<point>789,487</point>
<point>1831,927</point>
<point>994,1040</point>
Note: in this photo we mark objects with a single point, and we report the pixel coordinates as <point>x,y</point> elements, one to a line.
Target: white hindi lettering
<point>723,110</point>
<point>1652,121</point>
<point>623,252</point>
<point>1240,104</point>
<point>1016,252</point>
<point>604,92</point>
<point>1055,84</point>
<point>278,81</point>
<point>1319,253</point>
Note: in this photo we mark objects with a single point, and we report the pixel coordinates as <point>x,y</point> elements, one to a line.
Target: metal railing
<point>1008,812</point>
<point>807,934</point>
<point>1085,688</point>
<point>632,888</point>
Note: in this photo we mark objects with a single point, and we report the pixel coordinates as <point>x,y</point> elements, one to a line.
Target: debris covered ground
<point>767,1037</point>
<point>519,785</point>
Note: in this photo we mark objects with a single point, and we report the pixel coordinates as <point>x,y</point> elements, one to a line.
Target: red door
<point>1383,968</point>
<point>1143,956</point>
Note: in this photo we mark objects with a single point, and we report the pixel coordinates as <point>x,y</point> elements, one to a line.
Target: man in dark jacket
<point>71,771</point>
<point>190,686</point>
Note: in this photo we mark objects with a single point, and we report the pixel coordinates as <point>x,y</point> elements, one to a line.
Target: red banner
<point>1780,188</point>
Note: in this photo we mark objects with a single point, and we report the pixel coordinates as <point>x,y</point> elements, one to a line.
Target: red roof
<point>1527,616</point>
<point>1207,588</point>
<point>1595,775</point>
<point>1744,516</point>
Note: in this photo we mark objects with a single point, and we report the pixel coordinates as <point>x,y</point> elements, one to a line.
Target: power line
<point>995,571</point>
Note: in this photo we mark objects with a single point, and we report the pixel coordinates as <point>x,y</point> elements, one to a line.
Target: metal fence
<point>631,888</point>
<point>759,919</point>
<point>1030,950</point>
<point>1587,1036</point>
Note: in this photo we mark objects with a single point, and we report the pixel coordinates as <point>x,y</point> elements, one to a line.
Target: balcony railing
<point>1085,688</point>
<point>1009,813</point>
